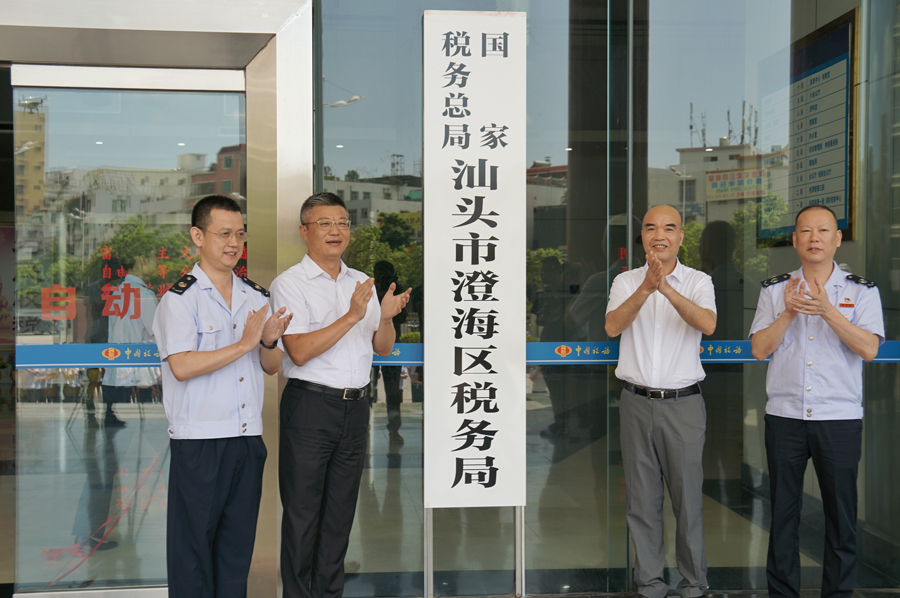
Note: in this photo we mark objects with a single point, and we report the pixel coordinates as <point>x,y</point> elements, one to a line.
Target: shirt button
<point>241,379</point>
<point>809,388</point>
<point>234,325</point>
<point>809,414</point>
<point>808,363</point>
<point>778,315</point>
<point>210,327</point>
<point>812,338</point>
<point>171,432</point>
<point>243,405</point>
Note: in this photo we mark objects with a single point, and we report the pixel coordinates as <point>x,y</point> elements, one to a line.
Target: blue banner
<point>138,355</point>
<point>146,355</point>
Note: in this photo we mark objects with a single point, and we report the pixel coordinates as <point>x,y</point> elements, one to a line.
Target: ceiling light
<point>99,142</point>
<point>339,146</point>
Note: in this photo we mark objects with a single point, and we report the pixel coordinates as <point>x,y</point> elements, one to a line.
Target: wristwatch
<point>274,345</point>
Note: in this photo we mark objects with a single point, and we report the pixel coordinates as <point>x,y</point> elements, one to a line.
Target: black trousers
<point>835,448</point>
<point>215,487</point>
<point>320,463</point>
<point>393,396</point>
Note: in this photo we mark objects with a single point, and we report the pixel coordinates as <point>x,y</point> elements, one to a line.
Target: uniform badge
<point>861,280</point>
<point>183,284</point>
<point>255,286</point>
<point>775,280</point>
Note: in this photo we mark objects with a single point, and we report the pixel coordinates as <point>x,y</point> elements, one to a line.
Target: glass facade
<point>105,183</point>
<point>627,112</point>
<point>715,108</point>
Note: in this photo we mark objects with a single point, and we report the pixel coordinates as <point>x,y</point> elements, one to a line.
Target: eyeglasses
<point>327,225</point>
<point>240,235</point>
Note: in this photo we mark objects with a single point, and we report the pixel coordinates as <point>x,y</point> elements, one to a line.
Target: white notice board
<point>474,226</point>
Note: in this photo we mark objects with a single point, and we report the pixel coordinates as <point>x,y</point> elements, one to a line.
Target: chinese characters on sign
<point>120,299</point>
<point>806,129</point>
<point>474,158</point>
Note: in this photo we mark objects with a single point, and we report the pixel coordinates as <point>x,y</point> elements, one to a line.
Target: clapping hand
<point>812,302</point>
<point>275,326</point>
<point>791,291</point>
<point>253,329</point>
<point>359,301</point>
<point>655,272</point>
<point>391,304</point>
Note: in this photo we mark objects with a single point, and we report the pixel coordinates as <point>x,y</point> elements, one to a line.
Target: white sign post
<point>474,225</point>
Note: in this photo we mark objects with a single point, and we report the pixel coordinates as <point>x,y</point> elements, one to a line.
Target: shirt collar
<point>678,272</point>
<point>313,270</point>
<point>837,280</point>
<point>203,280</point>
<point>238,292</point>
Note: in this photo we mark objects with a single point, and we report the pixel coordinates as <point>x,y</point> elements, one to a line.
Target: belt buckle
<point>655,394</point>
<point>344,394</point>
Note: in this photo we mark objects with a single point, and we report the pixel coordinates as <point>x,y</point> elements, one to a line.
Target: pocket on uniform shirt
<point>208,329</point>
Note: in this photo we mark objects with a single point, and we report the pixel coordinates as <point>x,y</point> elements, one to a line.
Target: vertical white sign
<point>474,224</point>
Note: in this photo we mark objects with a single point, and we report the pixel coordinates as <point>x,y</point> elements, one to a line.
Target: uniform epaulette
<point>860,280</point>
<point>183,284</point>
<point>252,284</point>
<point>775,280</point>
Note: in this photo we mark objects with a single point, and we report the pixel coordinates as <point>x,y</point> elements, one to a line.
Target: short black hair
<point>815,207</point>
<point>200,216</point>
<point>552,265</point>
<point>325,198</point>
<point>383,268</point>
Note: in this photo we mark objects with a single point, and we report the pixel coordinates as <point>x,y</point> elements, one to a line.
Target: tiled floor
<point>575,534</point>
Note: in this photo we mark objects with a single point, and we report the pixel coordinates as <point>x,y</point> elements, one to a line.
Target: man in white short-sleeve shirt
<point>661,310</point>
<point>819,324</point>
<point>324,418</point>
<point>215,342</point>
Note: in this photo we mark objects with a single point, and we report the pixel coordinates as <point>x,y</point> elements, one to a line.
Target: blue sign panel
<point>135,355</point>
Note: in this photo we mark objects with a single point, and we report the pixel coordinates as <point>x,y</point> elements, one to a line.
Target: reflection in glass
<point>103,206</point>
<point>704,141</point>
<point>108,182</point>
<point>91,493</point>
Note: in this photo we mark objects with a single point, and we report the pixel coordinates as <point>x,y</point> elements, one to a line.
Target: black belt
<point>660,393</point>
<point>348,394</point>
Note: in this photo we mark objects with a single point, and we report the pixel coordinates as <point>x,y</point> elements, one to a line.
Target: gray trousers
<point>663,440</point>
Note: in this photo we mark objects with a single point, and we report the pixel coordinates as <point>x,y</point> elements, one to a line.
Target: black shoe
<point>395,438</point>
<point>93,542</point>
<point>112,421</point>
<point>554,432</point>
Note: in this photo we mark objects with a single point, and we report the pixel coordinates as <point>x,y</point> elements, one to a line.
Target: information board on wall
<point>806,126</point>
<point>474,223</point>
<point>744,183</point>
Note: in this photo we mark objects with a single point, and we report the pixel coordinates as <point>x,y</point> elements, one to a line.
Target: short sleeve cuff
<point>175,348</point>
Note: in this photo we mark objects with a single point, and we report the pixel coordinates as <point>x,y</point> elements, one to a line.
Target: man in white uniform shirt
<point>133,307</point>
<point>661,310</point>
<point>215,343</point>
<point>325,409</point>
<point>819,324</point>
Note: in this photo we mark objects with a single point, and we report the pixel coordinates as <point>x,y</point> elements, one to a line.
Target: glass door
<point>105,180</point>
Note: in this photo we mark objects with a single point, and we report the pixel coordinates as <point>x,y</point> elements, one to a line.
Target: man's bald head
<point>665,211</point>
<point>662,235</point>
